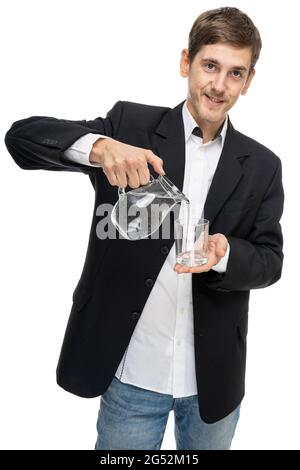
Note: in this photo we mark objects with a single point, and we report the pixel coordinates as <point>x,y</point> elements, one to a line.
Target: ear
<point>184,63</point>
<point>248,81</point>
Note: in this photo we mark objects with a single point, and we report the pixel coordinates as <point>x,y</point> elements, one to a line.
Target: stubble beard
<point>201,114</point>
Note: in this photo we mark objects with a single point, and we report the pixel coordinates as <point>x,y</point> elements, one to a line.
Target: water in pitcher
<point>139,212</point>
<point>145,215</point>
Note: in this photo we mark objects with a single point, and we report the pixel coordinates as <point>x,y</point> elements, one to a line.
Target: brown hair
<point>226,25</point>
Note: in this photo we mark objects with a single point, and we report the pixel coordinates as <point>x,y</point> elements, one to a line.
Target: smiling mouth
<point>212,99</point>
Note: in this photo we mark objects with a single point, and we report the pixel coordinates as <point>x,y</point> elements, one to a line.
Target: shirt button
<point>164,250</point>
<point>178,342</point>
<point>149,282</point>
<point>134,315</point>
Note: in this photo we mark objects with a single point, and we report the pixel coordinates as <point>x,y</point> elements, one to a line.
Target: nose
<point>219,83</point>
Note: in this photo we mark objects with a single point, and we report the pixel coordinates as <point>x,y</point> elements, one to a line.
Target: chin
<point>209,118</point>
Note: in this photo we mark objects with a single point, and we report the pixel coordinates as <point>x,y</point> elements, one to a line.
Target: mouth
<point>215,102</point>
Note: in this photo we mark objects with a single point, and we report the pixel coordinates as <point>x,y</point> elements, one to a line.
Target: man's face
<point>218,75</point>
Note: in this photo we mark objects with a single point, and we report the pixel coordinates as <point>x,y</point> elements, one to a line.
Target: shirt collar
<point>190,123</point>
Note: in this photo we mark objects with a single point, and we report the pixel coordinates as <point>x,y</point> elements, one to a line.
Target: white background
<point>74,60</point>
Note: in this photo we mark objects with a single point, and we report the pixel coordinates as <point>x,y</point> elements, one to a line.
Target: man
<point>147,335</point>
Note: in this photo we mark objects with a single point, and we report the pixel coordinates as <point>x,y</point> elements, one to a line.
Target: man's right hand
<point>125,164</point>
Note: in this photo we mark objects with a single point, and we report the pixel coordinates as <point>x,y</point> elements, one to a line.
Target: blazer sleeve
<point>255,262</point>
<point>38,142</point>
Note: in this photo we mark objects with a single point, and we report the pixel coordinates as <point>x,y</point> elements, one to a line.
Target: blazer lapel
<point>168,142</point>
<point>228,173</point>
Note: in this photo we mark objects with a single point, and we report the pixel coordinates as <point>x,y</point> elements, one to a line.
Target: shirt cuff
<point>80,150</point>
<point>221,266</point>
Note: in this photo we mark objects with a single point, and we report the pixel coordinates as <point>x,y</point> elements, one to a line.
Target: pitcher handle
<point>121,191</point>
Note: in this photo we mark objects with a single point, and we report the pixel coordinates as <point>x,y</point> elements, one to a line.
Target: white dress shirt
<point>160,355</point>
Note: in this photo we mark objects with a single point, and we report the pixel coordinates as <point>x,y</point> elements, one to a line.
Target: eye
<point>210,66</point>
<point>237,74</point>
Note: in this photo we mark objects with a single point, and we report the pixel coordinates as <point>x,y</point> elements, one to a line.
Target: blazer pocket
<point>241,204</point>
<point>81,295</point>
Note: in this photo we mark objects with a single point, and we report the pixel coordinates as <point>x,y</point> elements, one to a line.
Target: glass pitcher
<point>139,212</point>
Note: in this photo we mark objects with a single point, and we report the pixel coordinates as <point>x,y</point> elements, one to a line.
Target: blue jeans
<point>132,418</point>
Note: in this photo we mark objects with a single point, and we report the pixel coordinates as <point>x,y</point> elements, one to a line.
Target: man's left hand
<point>217,247</point>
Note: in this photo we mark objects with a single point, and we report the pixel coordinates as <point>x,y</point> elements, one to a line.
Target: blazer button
<point>149,282</point>
<point>134,315</point>
<point>164,250</point>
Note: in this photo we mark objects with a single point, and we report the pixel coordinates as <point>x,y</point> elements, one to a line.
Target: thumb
<point>220,250</point>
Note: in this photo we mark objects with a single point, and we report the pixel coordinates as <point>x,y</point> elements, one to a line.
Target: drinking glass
<point>191,240</point>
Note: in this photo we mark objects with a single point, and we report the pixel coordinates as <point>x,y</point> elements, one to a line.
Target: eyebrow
<point>216,62</point>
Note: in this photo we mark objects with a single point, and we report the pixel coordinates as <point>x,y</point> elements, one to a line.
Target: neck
<point>209,129</point>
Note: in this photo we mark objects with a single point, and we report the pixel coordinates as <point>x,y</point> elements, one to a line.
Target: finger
<point>177,268</point>
<point>133,178</point>
<point>181,269</point>
<point>221,243</point>
<point>220,251</point>
<point>144,175</point>
<point>110,175</point>
<point>201,269</point>
<point>211,247</point>
<point>213,238</point>
<point>218,247</point>
<point>121,178</point>
<point>155,161</point>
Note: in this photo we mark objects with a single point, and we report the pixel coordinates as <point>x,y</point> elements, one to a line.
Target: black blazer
<point>245,203</point>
